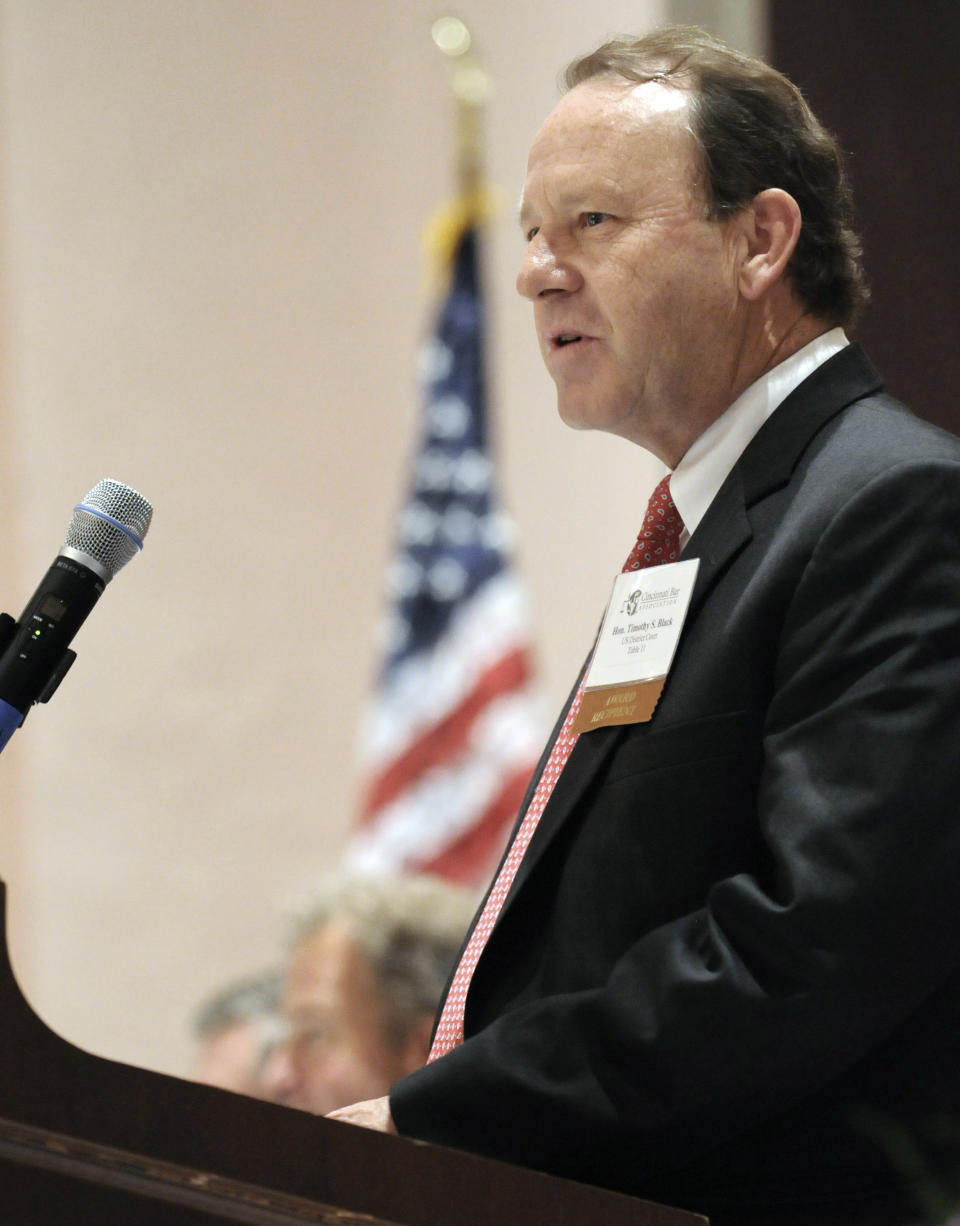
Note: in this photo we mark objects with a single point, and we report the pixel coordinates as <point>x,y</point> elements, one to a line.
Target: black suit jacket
<point>726,973</point>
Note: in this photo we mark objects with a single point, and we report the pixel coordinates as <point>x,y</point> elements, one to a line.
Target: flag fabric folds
<point>453,730</point>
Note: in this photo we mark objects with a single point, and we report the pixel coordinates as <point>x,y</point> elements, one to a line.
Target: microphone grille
<point>110,524</point>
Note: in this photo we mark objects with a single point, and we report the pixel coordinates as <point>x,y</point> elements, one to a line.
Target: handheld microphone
<point>106,531</point>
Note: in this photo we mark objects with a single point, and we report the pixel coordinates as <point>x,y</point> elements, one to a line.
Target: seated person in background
<point>367,964</point>
<point>235,1030</point>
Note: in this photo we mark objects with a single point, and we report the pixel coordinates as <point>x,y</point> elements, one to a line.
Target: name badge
<point>638,637</point>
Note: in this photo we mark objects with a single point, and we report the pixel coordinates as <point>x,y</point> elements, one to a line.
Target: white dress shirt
<point>697,478</point>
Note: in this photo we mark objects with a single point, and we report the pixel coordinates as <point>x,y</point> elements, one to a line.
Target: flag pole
<point>470,86</point>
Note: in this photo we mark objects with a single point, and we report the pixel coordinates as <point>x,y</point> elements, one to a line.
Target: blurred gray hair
<point>245,1000</point>
<point>409,928</point>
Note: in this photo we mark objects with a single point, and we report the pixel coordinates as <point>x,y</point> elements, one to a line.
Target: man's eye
<point>316,1036</point>
<point>313,1034</point>
<point>532,232</point>
<point>594,219</point>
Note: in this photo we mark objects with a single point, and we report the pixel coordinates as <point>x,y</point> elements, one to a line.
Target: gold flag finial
<point>470,86</point>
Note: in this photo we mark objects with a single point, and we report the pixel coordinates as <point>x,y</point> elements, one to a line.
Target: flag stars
<point>447,579</point>
<point>460,526</point>
<point>449,417</point>
<point>434,471</point>
<point>404,577</point>
<point>435,361</point>
<point>473,471</point>
<point>457,527</point>
<point>440,473</point>
<point>418,524</point>
<point>394,633</point>
<point>497,532</point>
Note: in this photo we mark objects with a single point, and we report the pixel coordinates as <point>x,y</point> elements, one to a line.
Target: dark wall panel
<point>885,78</point>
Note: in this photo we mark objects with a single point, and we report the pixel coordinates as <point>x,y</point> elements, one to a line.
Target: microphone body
<point>107,530</point>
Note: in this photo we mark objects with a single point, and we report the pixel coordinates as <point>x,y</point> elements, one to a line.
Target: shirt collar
<point>696,480</point>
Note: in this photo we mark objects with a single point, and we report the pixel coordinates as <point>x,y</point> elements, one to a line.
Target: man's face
<point>336,1053</point>
<point>634,290</point>
<point>231,1058</point>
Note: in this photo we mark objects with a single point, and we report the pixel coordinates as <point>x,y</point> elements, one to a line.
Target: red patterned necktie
<point>658,542</point>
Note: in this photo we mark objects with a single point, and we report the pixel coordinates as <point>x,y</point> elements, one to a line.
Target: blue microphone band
<point>115,523</point>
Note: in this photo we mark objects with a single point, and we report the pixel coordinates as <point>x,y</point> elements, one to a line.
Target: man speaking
<point>718,966</point>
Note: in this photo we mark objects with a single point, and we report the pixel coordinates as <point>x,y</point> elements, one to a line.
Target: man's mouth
<point>567,338</point>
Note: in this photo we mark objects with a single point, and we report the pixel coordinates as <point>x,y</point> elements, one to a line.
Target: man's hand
<point>374,1113</point>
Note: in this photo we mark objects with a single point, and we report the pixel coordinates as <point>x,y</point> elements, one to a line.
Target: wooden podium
<point>86,1140</point>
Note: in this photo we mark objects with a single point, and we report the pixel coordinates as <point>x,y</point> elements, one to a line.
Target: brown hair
<point>754,130</point>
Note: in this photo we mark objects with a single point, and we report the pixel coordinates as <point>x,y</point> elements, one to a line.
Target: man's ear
<point>771,225</point>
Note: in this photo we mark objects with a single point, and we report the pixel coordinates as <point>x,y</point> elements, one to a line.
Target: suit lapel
<point>769,461</point>
<point>765,466</point>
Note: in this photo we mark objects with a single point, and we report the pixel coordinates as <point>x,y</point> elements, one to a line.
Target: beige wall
<point>212,290</point>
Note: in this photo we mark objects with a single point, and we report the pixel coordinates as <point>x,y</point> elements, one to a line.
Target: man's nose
<point>545,269</point>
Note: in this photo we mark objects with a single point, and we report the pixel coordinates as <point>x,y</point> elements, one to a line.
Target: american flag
<point>454,728</point>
